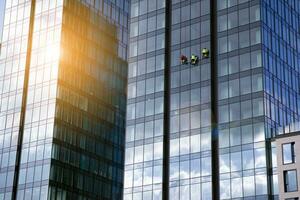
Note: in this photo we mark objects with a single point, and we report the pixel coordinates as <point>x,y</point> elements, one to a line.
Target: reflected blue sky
<point>2,4</point>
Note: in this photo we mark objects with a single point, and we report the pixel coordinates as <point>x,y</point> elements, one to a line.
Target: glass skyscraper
<point>63,75</point>
<point>206,130</point>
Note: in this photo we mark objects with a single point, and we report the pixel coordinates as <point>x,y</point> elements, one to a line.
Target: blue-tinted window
<point>290,181</point>
<point>288,153</point>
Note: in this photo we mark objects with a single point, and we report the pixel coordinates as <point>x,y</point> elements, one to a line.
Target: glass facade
<point>243,167</point>
<point>281,47</point>
<point>190,103</point>
<point>281,61</point>
<point>257,56</point>
<point>63,99</point>
<point>144,134</point>
<point>12,73</point>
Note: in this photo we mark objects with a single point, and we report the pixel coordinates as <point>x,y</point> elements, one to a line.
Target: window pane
<point>249,189</point>
<point>185,99</point>
<point>142,26</point>
<point>205,94</point>
<point>234,111</point>
<point>290,181</point>
<point>222,23</point>
<point>151,23</point>
<point>232,42</point>
<point>223,90</point>
<point>195,119</point>
<point>133,49</point>
<point>244,16</point>
<point>255,59</point>
<point>236,162</point>
<point>255,36</point>
<point>288,153</point>
<point>223,114</point>
<point>195,10</point>
<point>150,44</point>
<point>149,107</point>
<point>232,20</point>
<point>235,136</point>
<point>134,9</point>
<point>254,13</point>
<point>246,109</point>
<point>222,4</point>
<point>222,45</point>
<point>257,107</point>
<point>234,88</point>
<point>175,101</point>
<point>134,29</point>
<point>256,83</point>
<point>248,159</point>
<point>224,138</point>
<point>233,64</point>
<point>205,28</point>
<point>195,97</point>
<point>244,39</point>
<point>244,61</point>
<point>141,88</point>
<point>223,67</point>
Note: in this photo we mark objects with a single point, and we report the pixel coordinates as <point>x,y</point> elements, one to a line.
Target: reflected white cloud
<point>249,186</point>
<point>225,189</point>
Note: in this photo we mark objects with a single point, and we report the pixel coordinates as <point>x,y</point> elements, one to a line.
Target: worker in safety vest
<point>194,59</point>
<point>205,53</point>
<point>183,59</point>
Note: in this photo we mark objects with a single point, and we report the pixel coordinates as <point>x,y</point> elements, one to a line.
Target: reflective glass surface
<point>288,153</point>
<point>190,125</point>
<point>241,104</point>
<point>290,181</point>
<point>12,66</point>
<point>74,125</point>
<point>145,105</point>
<point>258,95</point>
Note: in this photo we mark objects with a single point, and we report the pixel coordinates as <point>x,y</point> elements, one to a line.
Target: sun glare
<point>53,52</point>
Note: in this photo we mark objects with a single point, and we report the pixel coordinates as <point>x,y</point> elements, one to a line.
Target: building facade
<point>63,81</point>
<point>205,130</point>
<point>288,166</point>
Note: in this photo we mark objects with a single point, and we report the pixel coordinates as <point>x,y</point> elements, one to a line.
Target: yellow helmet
<point>194,59</point>
<point>205,52</point>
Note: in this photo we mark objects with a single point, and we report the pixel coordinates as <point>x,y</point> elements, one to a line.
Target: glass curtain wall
<point>45,147</point>
<point>90,109</point>
<point>243,171</point>
<point>258,95</point>
<point>144,127</point>
<point>190,103</point>
<point>281,61</point>
<point>12,72</point>
<point>41,95</point>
